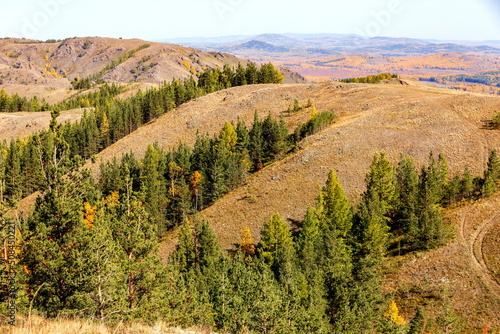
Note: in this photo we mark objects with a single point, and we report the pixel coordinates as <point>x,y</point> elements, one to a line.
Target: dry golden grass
<point>40,325</point>
<point>456,274</point>
<point>23,124</point>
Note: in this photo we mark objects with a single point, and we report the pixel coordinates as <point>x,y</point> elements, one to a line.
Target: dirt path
<point>475,246</point>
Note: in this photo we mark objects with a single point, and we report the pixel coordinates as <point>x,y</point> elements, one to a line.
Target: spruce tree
<point>335,209</point>
<point>407,192</point>
<point>380,183</point>
<point>491,175</point>
<point>135,234</point>
<point>417,324</point>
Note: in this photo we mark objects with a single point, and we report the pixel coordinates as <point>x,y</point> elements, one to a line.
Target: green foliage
<point>15,103</point>
<point>334,208</point>
<point>490,78</point>
<point>417,324</point>
<point>276,242</point>
<point>373,79</point>
<point>495,122</point>
<point>491,175</point>
<point>216,79</point>
<point>325,279</point>
<point>117,62</point>
<point>317,123</point>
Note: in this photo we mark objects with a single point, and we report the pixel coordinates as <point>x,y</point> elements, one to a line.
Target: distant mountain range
<point>315,45</point>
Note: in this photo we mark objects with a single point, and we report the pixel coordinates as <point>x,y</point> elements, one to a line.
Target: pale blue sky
<point>159,19</point>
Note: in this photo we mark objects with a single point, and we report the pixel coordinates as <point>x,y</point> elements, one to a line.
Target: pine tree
<point>309,242</point>
<point>380,183</point>
<point>407,191</point>
<point>433,185</point>
<point>417,324</point>
<point>135,234</point>
<point>54,242</point>
<point>207,246</point>
<point>276,244</point>
<point>256,146</point>
<point>184,255</point>
<point>228,138</point>
<point>336,211</point>
<point>491,175</point>
<point>240,76</point>
<point>101,263</point>
<point>153,184</point>
<point>467,185</point>
<point>252,75</point>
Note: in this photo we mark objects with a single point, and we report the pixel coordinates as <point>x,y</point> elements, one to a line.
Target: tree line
<point>107,120</point>
<point>373,79</point>
<point>16,103</point>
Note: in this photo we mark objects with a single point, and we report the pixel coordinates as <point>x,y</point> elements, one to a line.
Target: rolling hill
<point>398,119</point>
<point>46,69</point>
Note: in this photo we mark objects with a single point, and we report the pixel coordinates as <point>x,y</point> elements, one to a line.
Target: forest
<point>90,249</point>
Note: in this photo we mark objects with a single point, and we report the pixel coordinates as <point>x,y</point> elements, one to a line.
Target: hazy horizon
<point>473,20</point>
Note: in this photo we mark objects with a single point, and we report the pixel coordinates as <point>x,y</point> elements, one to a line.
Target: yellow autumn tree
<point>247,245</point>
<point>104,130</point>
<point>393,314</point>
<point>228,137</point>
<point>89,214</point>
<point>196,180</point>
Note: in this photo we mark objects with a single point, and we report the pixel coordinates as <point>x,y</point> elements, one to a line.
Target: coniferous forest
<point>90,248</point>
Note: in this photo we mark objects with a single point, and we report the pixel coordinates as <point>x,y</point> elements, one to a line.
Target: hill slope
<point>397,119</point>
<point>394,119</point>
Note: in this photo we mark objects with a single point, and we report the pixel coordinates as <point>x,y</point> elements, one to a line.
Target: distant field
<point>22,124</point>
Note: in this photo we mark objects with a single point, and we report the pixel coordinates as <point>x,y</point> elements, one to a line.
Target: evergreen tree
<point>380,183</point>
<point>240,76</point>
<point>491,175</point>
<point>256,147</point>
<point>407,191</point>
<point>252,75</point>
<point>153,184</point>
<point>135,234</point>
<point>101,263</point>
<point>335,209</point>
<point>433,185</point>
<point>417,324</point>
<point>276,244</point>
<point>184,255</point>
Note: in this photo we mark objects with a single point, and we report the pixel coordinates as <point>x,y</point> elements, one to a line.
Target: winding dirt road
<point>475,245</point>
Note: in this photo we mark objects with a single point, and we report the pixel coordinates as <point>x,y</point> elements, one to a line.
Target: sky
<point>164,19</point>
